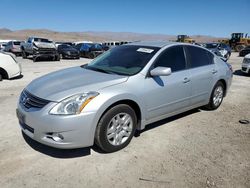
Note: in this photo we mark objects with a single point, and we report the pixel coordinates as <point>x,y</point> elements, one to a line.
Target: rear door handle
<point>186,80</point>
<point>214,71</point>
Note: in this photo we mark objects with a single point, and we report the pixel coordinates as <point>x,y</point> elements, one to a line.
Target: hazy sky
<point>205,17</point>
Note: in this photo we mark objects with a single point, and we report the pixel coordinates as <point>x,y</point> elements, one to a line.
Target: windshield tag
<point>145,50</point>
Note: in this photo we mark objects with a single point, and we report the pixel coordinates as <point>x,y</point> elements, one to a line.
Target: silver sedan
<point>119,92</point>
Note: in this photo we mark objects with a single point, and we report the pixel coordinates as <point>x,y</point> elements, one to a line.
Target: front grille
<point>47,50</point>
<point>73,53</point>
<point>30,101</point>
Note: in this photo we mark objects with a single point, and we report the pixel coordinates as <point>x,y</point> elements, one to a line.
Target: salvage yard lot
<point>195,149</point>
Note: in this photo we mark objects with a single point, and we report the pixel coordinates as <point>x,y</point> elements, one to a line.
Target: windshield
<point>16,43</point>
<point>42,40</point>
<point>123,60</point>
<point>65,46</point>
<point>96,47</point>
<point>211,45</point>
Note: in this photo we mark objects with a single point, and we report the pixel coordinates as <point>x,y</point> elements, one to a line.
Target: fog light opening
<point>57,137</point>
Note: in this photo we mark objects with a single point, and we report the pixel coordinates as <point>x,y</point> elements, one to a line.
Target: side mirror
<point>161,71</point>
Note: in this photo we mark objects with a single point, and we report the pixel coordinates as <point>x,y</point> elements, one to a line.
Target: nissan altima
<point>121,91</point>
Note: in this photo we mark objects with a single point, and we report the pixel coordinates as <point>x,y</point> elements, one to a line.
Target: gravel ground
<point>195,149</point>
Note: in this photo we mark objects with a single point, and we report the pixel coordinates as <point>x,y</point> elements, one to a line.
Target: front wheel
<point>216,97</point>
<point>57,57</point>
<point>116,128</point>
<point>24,55</point>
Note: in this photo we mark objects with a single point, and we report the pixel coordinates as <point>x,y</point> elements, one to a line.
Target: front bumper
<point>245,68</point>
<point>16,50</point>
<point>57,131</point>
<point>45,53</point>
<point>71,56</point>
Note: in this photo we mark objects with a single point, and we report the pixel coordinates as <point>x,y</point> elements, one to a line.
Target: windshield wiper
<point>99,70</point>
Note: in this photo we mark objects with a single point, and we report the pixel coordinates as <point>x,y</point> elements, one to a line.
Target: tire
<point>34,58</point>
<point>118,121</point>
<point>91,55</point>
<point>238,48</point>
<point>215,102</point>
<point>227,56</point>
<point>1,77</point>
<point>24,55</point>
<point>57,58</point>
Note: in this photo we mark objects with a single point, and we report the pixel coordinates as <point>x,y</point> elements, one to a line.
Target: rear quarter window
<point>198,57</point>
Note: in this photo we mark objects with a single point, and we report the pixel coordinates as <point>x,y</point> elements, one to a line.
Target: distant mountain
<point>93,36</point>
<point>4,30</point>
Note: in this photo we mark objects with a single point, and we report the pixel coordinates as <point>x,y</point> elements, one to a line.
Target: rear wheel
<point>24,55</point>
<point>116,128</point>
<point>1,77</point>
<point>216,97</point>
<point>239,47</point>
<point>91,55</point>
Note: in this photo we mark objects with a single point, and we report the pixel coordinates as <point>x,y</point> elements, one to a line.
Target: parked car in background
<point>2,46</point>
<point>245,67</point>
<point>112,44</point>
<point>104,47</point>
<point>9,66</point>
<point>39,47</point>
<point>14,47</point>
<point>60,43</point>
<point>219,49</point>
<point>121,91</point>
<point>244,51</point>
<point>68,52</point>
<point>91,50</point>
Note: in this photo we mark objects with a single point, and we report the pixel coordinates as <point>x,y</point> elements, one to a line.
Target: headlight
<point>74,104</point>
<point>223,52</point>
<point>246,60</point>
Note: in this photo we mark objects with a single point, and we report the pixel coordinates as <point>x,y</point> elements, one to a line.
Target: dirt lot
<point>195,149</point>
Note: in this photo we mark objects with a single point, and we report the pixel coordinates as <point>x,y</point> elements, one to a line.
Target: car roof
<point>159,44</point>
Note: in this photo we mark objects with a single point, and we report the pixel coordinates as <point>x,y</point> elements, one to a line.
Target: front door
<point>168,94</point>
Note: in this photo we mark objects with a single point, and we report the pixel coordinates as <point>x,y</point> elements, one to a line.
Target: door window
<point>173,58</point>
<point>198,56</point>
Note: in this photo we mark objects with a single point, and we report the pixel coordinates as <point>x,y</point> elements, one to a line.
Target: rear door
<point>203,71</point>
<point>167,94</point>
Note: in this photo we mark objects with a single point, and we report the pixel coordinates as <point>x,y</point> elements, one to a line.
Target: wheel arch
<point>134,105</point>
<point>4,73</point>
<point>224,84</point>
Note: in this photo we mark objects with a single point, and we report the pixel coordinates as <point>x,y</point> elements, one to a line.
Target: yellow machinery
<point>185,38</point>
<point>237,41</point>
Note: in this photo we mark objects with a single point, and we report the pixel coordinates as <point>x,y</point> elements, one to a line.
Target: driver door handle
<point>186,80</point>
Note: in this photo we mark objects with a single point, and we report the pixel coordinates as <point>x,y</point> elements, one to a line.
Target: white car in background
<point>2,46</point>
<point>245,68</point>
<point>9,67</point>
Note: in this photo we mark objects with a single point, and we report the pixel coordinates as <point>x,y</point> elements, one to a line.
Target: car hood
<point>44,45</point>
<point>59,85</point>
